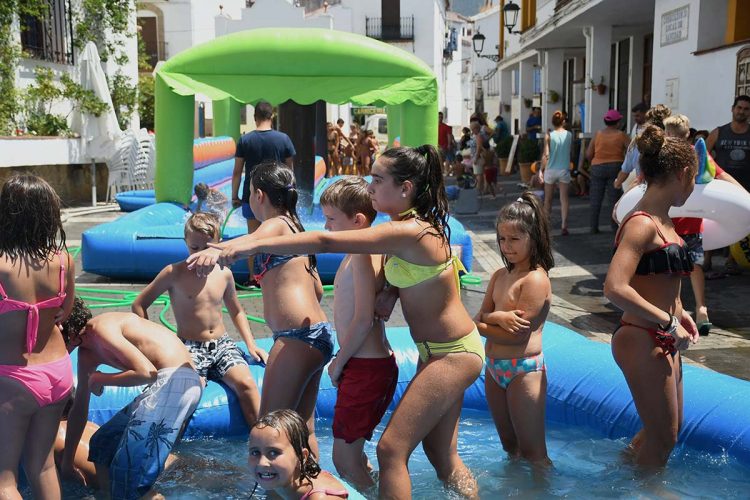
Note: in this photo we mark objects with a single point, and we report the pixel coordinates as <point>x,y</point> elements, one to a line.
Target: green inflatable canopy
<point>276,65</point>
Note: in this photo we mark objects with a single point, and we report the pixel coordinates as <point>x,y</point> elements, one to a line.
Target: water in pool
<point>586,465</point>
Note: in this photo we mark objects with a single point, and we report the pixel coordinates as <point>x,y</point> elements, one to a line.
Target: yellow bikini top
<point>403,274</point>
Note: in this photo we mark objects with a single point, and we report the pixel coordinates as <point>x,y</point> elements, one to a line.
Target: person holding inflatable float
<point>407,185</point>
<point>644,282</point>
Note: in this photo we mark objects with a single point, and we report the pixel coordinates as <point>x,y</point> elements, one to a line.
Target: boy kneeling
<point>133,446</point>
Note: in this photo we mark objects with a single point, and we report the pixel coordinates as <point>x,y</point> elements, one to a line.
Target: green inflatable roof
<point>303,64</point>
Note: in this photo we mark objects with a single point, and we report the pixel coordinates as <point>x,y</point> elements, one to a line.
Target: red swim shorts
<point>490,174</point>
<point>365,390</point>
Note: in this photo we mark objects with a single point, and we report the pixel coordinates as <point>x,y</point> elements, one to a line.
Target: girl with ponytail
<point>407,184</point>
<point>644,279</point>
<point>291,288</point>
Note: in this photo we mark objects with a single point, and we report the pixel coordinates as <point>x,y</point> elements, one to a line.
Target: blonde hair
<point>677,126</point>
<point>203,223</point>
<point>349,194</point>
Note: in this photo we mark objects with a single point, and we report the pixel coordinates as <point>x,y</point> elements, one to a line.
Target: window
<point>743,72</point>
<point>383,126</point>
<point>738,21</point>
<point>516,82</point>
<point>51,37</point>
<point>528,14</point>
<point>537,77</point>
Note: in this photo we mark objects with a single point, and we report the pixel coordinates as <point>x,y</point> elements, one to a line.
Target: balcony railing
<point>389,31</point>
<point>49,38</point>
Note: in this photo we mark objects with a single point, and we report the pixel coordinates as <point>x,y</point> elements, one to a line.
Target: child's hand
<point>71,472</point>
<point>95,384</point>
<point>230,253</point>
<point>385,301</point>
<point>689,325</point>
<point>203,262</point>
<point>257,353</point>
<point>511,321</point>
<point>236,203</point>
<point>334,371</point>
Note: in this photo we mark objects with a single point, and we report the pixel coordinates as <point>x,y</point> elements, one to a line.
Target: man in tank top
<point>731,142</point>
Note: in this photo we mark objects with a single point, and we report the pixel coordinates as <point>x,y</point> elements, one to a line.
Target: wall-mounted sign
<point>674,25</point>
<point>672,93</point>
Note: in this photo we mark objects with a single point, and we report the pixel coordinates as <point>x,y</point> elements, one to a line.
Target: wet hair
<point>340,121</point>
<point>277,181</point>
<point>30,224</point>
<point>677,126</point>
<point>76,321</point>
<point>349,194</point>
<point>423,167</point>
<point>263,111</point>
<point>657,114</point>
<point>641,107</point>
<point>662,156</point>
<point>739,98</point>
<point>558,118</point>
<point>201,191</point>
<point>529,216</point>
<point>204,223</point>
<point>289,423</point>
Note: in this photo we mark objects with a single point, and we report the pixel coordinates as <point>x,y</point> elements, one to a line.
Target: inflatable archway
<point>276,65</point>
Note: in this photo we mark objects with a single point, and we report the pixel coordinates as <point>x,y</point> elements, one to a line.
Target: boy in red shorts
<point>364,370</point>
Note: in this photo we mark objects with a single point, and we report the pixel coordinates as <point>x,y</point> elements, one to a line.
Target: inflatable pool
<point>140,244</point>
<point>585,389</point>
<point>724,207</point>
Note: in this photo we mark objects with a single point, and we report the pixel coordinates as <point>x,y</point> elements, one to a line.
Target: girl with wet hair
<point>303,342</point>
<point>407,184</point>
<point>644,279</point>
<point>36,292</point>
<point>281,460</point>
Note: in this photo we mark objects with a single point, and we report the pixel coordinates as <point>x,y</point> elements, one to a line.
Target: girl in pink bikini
<point>36,292</point>
<point>281,461</point>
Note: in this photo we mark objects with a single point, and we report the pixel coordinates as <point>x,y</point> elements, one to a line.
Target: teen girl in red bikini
<point>643,280</point>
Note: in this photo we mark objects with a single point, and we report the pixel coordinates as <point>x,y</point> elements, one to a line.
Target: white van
<point>378,123</point>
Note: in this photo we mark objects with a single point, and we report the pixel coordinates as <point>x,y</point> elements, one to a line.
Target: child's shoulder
<point>538,278</point>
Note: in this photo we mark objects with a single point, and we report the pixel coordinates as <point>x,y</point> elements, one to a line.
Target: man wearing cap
<point>606,152</point>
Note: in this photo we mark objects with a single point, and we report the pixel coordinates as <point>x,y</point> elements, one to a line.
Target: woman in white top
<point>556,167</point>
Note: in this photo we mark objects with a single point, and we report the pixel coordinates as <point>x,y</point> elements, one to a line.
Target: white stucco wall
<point>705,82</point>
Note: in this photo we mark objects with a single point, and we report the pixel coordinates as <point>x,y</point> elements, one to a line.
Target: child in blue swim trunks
<point>511,319</point>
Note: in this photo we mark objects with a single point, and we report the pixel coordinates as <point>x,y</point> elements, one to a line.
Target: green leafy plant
<point>553,96</point>
<point>503,149</point>
<point>528,151</point>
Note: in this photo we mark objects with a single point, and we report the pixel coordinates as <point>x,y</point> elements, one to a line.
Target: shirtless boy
<point>197,309</point>
<point>364,369</point>
<point>135,443</point>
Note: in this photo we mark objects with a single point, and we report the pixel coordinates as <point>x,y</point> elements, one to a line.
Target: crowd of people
<point>409,260</point>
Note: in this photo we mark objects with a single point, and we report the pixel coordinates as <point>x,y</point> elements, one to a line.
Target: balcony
<point>388,31</point>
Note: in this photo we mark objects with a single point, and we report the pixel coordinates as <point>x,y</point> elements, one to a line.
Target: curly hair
<point>76,321</point>
<point>30,224</point>
<point>662,156</point>
<point>657,114</point>
<point>295,429</point>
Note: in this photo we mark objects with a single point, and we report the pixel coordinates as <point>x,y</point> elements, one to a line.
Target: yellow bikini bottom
<point>470,343</point>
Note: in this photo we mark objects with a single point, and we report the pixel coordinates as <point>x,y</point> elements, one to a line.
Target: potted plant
<point>528,153</point>
<point>503,152</point>
<point>527,102</point>
<point>553,96</point>
<point>600,87</point>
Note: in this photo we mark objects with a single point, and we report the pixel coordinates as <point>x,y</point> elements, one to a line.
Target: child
<point>281,459</point>
<point>197,309</point>
<point>211,201</point>
<point>303,344</point>
<point>408,186</point>
<point>36,291</point>
<point>511,319</point>
<point>135,443</point>
<point>364,369</point>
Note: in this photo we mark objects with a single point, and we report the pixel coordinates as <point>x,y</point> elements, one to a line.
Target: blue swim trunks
<point>247,212</point>
<point>136,442</point>
<point>317,335</point>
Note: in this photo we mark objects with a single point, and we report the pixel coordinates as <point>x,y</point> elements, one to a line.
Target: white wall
<point>271,14</point>
<point>694,74</point>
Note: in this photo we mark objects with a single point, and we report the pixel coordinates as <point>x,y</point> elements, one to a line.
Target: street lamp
<point>510,16</point>
<point>478,42</point>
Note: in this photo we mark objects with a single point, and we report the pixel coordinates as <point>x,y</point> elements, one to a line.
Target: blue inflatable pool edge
<point>585,388</point>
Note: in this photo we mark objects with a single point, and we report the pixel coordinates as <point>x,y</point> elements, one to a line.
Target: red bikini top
<point>32,320</point>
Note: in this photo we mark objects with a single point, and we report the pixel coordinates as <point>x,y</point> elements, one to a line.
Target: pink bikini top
<point>329,492</point>
<point>32,320</point>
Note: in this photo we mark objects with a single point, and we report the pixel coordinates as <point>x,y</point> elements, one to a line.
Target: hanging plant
<point>553,96</point>
<point>527,102</point>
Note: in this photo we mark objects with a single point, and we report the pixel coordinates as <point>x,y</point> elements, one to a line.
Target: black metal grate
<point>390,31</point>
<point>49,38</point>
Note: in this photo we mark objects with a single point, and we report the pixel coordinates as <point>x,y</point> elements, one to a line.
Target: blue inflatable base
<point>585,388</point>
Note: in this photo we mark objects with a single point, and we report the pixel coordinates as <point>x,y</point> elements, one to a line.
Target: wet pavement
<point>581,262</point>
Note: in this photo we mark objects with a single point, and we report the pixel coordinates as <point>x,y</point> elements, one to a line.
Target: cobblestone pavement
<point>581,262</point>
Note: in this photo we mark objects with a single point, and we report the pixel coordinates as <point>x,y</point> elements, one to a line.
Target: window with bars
<point>49,38</point>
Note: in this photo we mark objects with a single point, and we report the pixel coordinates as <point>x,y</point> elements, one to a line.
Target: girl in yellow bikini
<point>407,184</point>
<point>511,318</point>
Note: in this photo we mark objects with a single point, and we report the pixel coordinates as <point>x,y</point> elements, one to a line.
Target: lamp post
<point>477,42</point>
<point>510,15</point>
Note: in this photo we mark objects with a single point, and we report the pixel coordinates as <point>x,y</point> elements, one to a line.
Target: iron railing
<point>49,38</point>
<point>388,31</point>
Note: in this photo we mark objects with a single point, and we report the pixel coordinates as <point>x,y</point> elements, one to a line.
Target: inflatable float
<point>585,389</point>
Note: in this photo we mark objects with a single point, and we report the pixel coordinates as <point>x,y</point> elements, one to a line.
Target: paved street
<point>581,264</point>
